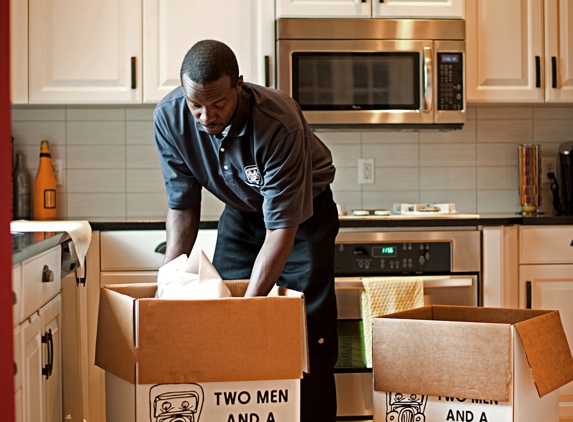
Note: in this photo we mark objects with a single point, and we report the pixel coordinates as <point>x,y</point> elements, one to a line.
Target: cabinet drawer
<point>36,292</point>
<point>17,295</point>
<point>135,250</point>
<point>546,245</point>
<point>131,250</point>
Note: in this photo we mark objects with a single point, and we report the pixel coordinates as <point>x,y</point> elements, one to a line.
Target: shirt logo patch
<point>253,176</point>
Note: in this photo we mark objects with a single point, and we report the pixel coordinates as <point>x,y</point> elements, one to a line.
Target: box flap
<point>115,350</point>
<point>220,340</point>
<point>441,358</point>
<point>547,351</point>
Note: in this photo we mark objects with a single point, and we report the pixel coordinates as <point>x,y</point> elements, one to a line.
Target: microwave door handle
<point>428,79</point>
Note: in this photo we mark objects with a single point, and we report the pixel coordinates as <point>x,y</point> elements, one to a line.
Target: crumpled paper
<point>190,278</point>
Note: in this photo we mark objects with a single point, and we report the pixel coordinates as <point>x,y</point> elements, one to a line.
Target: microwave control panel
<point>450,81</point>
<point>393,258</point>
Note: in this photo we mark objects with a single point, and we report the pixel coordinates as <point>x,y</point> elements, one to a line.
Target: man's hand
<point>271,260</point>
<point>182,227</point>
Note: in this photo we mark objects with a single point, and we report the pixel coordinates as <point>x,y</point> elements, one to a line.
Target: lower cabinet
<point>546,282</point>
<point>37,338</point>
<point>114,257</point>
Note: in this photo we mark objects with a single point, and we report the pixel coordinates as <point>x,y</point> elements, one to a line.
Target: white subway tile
<point>348,200</point>
<point>346,178</point>
<point>496,201</point>
<point>385,200</point>
<point>497,155</point>
<point>95,113</point>
<point>96,205</point>
<point>145,180</point>
<point>96,157</point>
<point>447,178</point>
<point>547,131</point>
<point>392,155</point>
<point>96,181</point>
<point>96,133</point>
<point>465,135</point>
<point>330,138</point>
<point>140,132</point>
<point>25,113</point>
<point>140,113</point>
<point>33,133</point>
<point>142,156</point>
<point>392,137</point>
<point>505,113</point>
<point>562,113</point>
<point>506,131</point>
<point>146,205</point>
<point>465,200</point>
<point>394,179</point>
<point>448,154</point>
<point>506,177</point>
<point>345,155</point>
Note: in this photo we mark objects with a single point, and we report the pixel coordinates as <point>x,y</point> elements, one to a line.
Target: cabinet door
<point>171,27</point>
<point>551,287</point>
<point>323,8</point>
<point>18,369</point>
<point>408,9</point>
<point>51,320</point>
<point>85,51</point>
<point>33,363</point>
<point>558,51</point>
<point>504,41</point>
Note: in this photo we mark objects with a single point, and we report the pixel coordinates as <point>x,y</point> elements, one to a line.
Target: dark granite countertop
<point>27,245</point>
<point>371,222</point>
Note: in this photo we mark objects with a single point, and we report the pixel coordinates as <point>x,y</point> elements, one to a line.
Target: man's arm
<point>271,260</point>
<point>182,227</point>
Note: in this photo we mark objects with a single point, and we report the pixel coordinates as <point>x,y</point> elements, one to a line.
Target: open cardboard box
<point>451,363</point>
<point>223,358</point>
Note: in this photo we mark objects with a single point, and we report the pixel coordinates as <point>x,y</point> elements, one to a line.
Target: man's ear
<point>239,84</point>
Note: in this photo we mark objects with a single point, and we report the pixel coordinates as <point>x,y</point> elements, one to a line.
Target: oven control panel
<point>393,258</point>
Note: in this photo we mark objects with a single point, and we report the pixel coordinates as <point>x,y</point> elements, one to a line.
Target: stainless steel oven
<point>449,263</point>
<point>374,72</point>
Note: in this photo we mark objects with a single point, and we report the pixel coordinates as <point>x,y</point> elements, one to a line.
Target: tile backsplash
<point>111,171</point>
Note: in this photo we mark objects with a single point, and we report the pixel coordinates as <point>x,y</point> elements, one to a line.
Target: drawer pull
<point>528,294</point>
<point>161,248</point>
<point>48,339</point>
<point>47,275</point>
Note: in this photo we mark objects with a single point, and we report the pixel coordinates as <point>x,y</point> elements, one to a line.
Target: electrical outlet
<point>57,166</point>
<point>548,165</point>
<point>365,170</point>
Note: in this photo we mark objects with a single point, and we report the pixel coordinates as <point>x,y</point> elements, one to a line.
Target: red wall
<point>6,333</point>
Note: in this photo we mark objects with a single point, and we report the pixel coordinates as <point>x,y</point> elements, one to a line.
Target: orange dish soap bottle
<point>45,186</point>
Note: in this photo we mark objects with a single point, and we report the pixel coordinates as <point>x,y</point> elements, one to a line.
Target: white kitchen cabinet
<point>37,339</point>
<point>114,257</point>
<point>84,52</point>
<point>546,282</point>
<point>511,47</point>
<point>171,27</point>
<point>129,51</point>
<point>370,8</point>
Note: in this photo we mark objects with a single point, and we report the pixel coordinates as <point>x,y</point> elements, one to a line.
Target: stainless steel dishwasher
<point>449,261</point>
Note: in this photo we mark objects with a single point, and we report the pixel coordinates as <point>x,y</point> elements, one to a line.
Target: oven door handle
<point>428,80</point>
<point>430,282</point>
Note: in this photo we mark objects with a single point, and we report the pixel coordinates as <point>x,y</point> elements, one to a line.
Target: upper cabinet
<point>84,52</point>
<point>171,27</point>
<point>369,8</point>
<point>128,51</point>
<point>519,50</point>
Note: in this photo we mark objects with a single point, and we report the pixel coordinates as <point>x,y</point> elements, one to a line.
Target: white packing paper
<point>190,278</point>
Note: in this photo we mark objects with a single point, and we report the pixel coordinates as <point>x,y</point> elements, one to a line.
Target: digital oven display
<point>450,58</point>
<point>390,251</point>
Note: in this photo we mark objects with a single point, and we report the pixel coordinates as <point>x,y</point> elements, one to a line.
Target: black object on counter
<point>21,190</point>
<point>566,162</point>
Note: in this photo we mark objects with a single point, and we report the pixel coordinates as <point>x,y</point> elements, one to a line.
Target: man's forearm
<point>181,226</point>
<point>271,260</point>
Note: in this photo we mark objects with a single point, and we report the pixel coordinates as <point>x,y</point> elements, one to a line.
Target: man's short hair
<point>208,61</point>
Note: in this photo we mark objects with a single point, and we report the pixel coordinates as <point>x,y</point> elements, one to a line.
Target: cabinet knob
<point>47,275</point>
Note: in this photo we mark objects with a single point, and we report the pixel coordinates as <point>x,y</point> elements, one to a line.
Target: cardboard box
<point>450,363</point>
<point>214,360</point>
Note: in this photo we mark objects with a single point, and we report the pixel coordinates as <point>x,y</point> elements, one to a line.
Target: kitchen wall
<point>111,170</point>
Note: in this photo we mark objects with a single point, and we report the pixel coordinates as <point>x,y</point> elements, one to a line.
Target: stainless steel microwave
<point>374,73</point>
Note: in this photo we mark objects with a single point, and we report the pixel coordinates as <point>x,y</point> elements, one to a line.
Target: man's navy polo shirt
<point>269,162</point>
